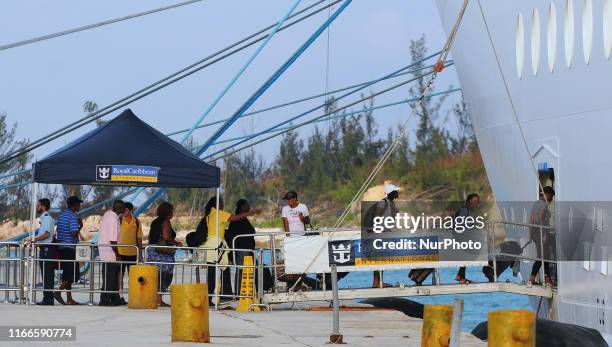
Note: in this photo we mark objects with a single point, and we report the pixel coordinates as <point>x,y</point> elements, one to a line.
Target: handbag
<point>164,250</point>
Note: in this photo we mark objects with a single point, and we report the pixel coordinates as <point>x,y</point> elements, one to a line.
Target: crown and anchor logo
<point>104,173</point>
<point>342,253</point>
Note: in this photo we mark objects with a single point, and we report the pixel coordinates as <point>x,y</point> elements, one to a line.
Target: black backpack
<point>199,236</point>
<point>368,219</point>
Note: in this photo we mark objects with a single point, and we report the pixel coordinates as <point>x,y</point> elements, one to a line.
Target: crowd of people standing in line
<point>120,226</point>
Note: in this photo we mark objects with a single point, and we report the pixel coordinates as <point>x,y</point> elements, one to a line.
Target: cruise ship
<point>536,77</point>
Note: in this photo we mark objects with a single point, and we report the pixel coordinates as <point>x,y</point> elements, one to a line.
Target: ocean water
<point>476,306</point>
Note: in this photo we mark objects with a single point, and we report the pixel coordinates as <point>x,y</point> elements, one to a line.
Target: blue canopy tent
<point>126,152</point>
<point>123,152</point>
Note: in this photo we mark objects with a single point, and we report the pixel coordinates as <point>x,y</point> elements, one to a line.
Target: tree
<point>289,160</point>
<point>15,201</point>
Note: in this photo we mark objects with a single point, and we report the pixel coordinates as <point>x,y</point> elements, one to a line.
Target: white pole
<point>217,273</point>
<point>32,238</point>
<point>455,338</point>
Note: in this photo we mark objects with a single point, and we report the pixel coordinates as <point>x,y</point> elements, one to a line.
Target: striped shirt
<point>68,227</point>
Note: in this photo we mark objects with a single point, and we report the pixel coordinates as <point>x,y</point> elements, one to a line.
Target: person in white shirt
<point>109,235</point>
<point>45,235</point>
<point>295,214</point>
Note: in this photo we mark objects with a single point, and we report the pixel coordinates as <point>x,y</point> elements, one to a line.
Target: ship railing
<point>526,231</point>
<point>11,271</point>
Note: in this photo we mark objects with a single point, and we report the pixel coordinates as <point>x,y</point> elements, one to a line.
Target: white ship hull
<point>566,117</point>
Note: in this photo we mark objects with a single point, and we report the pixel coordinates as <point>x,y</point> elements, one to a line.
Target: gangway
<point>403,291</point>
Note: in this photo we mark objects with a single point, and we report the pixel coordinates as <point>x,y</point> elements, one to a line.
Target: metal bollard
<point>437,321</point>
<point>336,337</point>
<point>512,328</point>
<point>142,286</point>
<point>190,313</point>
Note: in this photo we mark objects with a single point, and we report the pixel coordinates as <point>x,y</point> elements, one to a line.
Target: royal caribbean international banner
<point>126,173</point>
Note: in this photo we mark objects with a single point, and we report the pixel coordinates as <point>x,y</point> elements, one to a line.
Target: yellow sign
<point>247,287</point>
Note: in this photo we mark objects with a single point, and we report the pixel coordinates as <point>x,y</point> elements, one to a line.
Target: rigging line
<point>170,78</point>
<point>346,114</point>
<point>205,125</point>
<point>428,88</point>
<point>234,79</point>
<point>339,98</point>
<point>513,106</point>
<point>15,173</point>
<point>242,69</point>
<point>386,155</point>
<point>326,98</point>
<point>95,25</point>
<point>325,114</point>
<point>259,92</point>
<point>15,185</point>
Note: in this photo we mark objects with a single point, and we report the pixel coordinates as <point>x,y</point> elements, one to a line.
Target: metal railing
<point>11,271</point>
<point>88,268</point>
<point>527,229</point>
<point>190,265</point>
<point>24,282</point>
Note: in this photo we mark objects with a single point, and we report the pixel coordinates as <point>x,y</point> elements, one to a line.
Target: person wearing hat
<point>295,214</point>
<point>68,227</point>
<point>386,207</point>
<point>540,215</point>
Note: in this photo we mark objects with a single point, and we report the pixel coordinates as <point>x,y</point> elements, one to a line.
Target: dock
<point>303,325</point>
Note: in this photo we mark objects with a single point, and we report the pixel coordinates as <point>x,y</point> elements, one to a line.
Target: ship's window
<point>535,41</point>
<point>587,29</point>
<point>568,28</point>
<point>551,36</point>
<point>604,261</point>
<point>520,45</point>
<point>607,27</point>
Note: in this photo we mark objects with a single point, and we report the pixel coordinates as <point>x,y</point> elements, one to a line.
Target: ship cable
<point>439,68</point>
<point>258,93</point>
<point>297,101</point>
<point>232,81</point>
<point>398,139</point>
<point>513,106</point>
<point>158,85</point>
<point>368,83</point>
<point>323,105</point>
<point>95,25</point>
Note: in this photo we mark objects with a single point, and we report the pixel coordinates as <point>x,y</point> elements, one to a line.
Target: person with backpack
<point>237,228</point>
<point>131,234</point>
<point>384,208</point>
<point>210,215</point>
<point>471,203</point>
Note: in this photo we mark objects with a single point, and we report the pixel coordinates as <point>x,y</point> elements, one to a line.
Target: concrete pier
<point>110,326</point>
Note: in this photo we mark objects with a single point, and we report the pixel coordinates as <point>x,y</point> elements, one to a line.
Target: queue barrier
<point>11,271</point>
<point>189,266</point>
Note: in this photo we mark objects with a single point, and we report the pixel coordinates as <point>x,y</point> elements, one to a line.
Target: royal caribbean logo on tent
<point>126,173</point>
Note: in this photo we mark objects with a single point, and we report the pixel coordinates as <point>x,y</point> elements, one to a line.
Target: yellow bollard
<point>512,328</point>
<point>246,286</point>
<point>190,313</point>
<point>142,286</point>
<point>437,321</point>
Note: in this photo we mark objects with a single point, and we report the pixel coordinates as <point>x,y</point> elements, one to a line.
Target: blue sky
<point>44,85</point>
